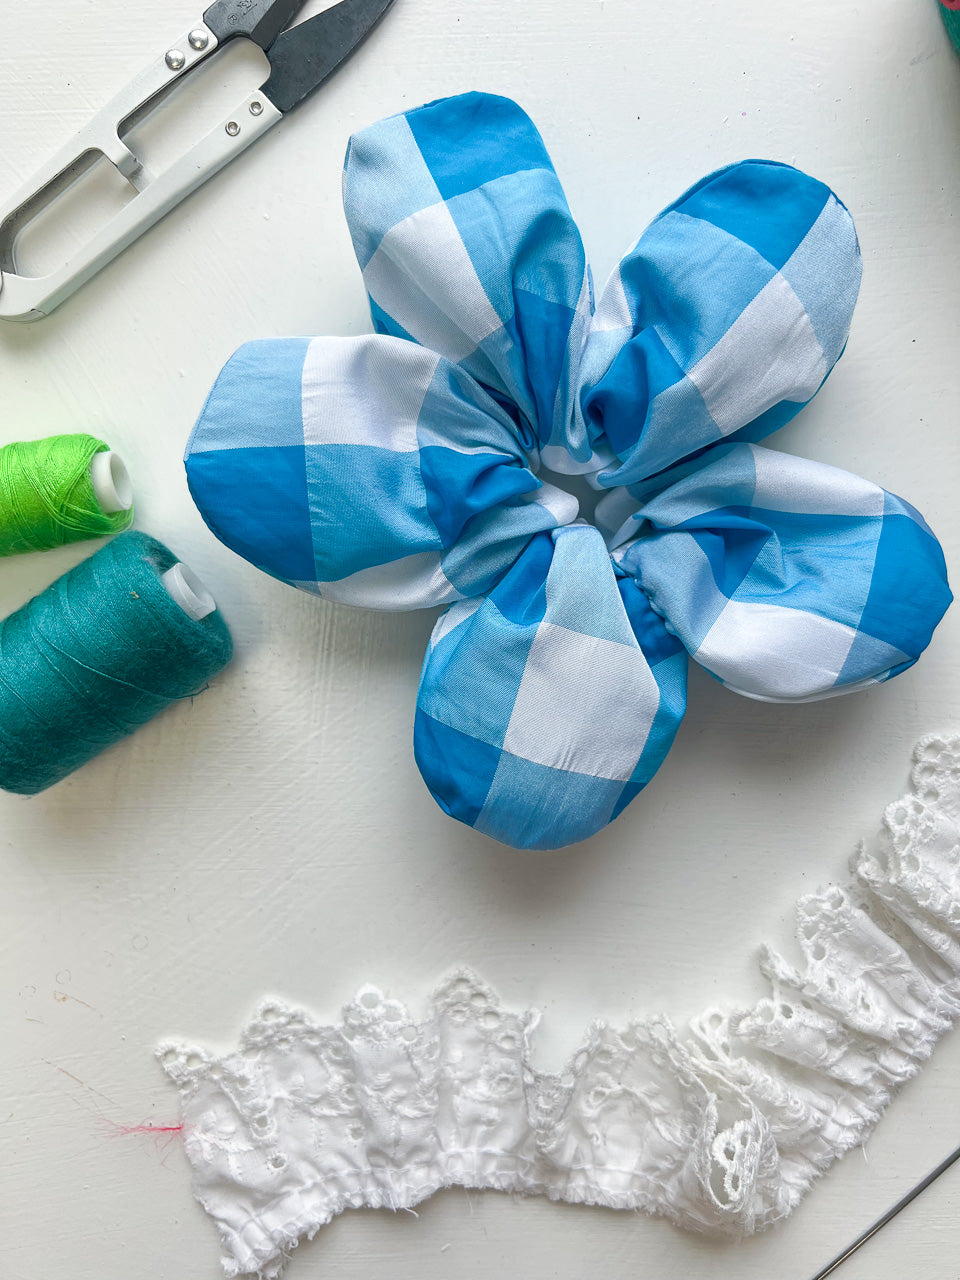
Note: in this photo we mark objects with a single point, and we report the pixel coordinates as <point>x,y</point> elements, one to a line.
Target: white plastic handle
<point>26,298</point>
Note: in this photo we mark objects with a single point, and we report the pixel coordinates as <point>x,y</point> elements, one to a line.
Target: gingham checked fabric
<point>399,470</point>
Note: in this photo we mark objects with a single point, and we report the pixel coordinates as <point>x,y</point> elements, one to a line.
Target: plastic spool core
<point>183,586</point>
<point>111,482</point>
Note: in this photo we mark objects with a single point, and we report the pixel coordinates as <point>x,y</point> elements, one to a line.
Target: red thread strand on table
<point>148,1128</point>
<point>163,1136</point>
<point>159,1131</point>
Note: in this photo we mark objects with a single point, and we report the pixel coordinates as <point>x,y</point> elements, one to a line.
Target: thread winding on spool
<point>60,490</point>
<point>98,654</point>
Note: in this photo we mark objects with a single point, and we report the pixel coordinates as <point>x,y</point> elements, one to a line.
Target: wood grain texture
<point>273,836</point>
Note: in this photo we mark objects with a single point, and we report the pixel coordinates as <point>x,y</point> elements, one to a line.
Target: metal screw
<point>232,128</point>
<point>256,108</point>
<point>175,60</point>
<point>198,39</point>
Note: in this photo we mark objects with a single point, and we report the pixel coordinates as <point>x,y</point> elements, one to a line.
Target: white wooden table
<point>274,836</point>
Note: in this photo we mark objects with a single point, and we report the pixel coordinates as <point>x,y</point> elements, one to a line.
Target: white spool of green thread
<point>61,489</point>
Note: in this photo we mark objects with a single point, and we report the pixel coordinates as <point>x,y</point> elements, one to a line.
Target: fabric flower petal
<point>366,470</point>
<point>546,707</point>
<point>723,320</point>
<point>788,580</point>
<point>467,246</point>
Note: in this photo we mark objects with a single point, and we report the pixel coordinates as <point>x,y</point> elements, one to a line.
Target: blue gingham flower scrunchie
<point>399,470</point>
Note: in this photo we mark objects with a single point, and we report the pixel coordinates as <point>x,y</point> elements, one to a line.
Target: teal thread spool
<point>98,654</point>
<point>950,12</point>
<point>60,490</point>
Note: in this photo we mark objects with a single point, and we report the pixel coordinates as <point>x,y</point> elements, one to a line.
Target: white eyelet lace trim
<point>722,1128</point>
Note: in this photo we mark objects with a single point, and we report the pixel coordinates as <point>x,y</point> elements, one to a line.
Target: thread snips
<point>301,58</point>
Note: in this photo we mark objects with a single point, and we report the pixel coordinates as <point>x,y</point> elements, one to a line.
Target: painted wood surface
<point>273,836</point>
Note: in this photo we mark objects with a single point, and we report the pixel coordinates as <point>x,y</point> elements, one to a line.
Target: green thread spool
<point>103,650</point>
<point>62,489</point>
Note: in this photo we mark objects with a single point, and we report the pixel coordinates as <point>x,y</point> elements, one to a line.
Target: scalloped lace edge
<point>720,1128</point>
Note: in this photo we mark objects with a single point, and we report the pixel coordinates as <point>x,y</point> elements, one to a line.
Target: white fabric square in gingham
<point>337,406</point>
<point>592,689</point>
<point>767,650</point>
<point>425,305</point>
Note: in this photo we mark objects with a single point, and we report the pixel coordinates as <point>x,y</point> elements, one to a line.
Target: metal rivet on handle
<point>198,39</point>
<point>175,60</point>
<point>232,128</point>
<point>256,108</point>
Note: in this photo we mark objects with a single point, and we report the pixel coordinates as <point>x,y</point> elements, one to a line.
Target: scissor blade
<point>258,20</point>
<point>304,56</point>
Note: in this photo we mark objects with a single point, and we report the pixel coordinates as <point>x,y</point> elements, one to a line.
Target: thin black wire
<point>891,1213</point>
